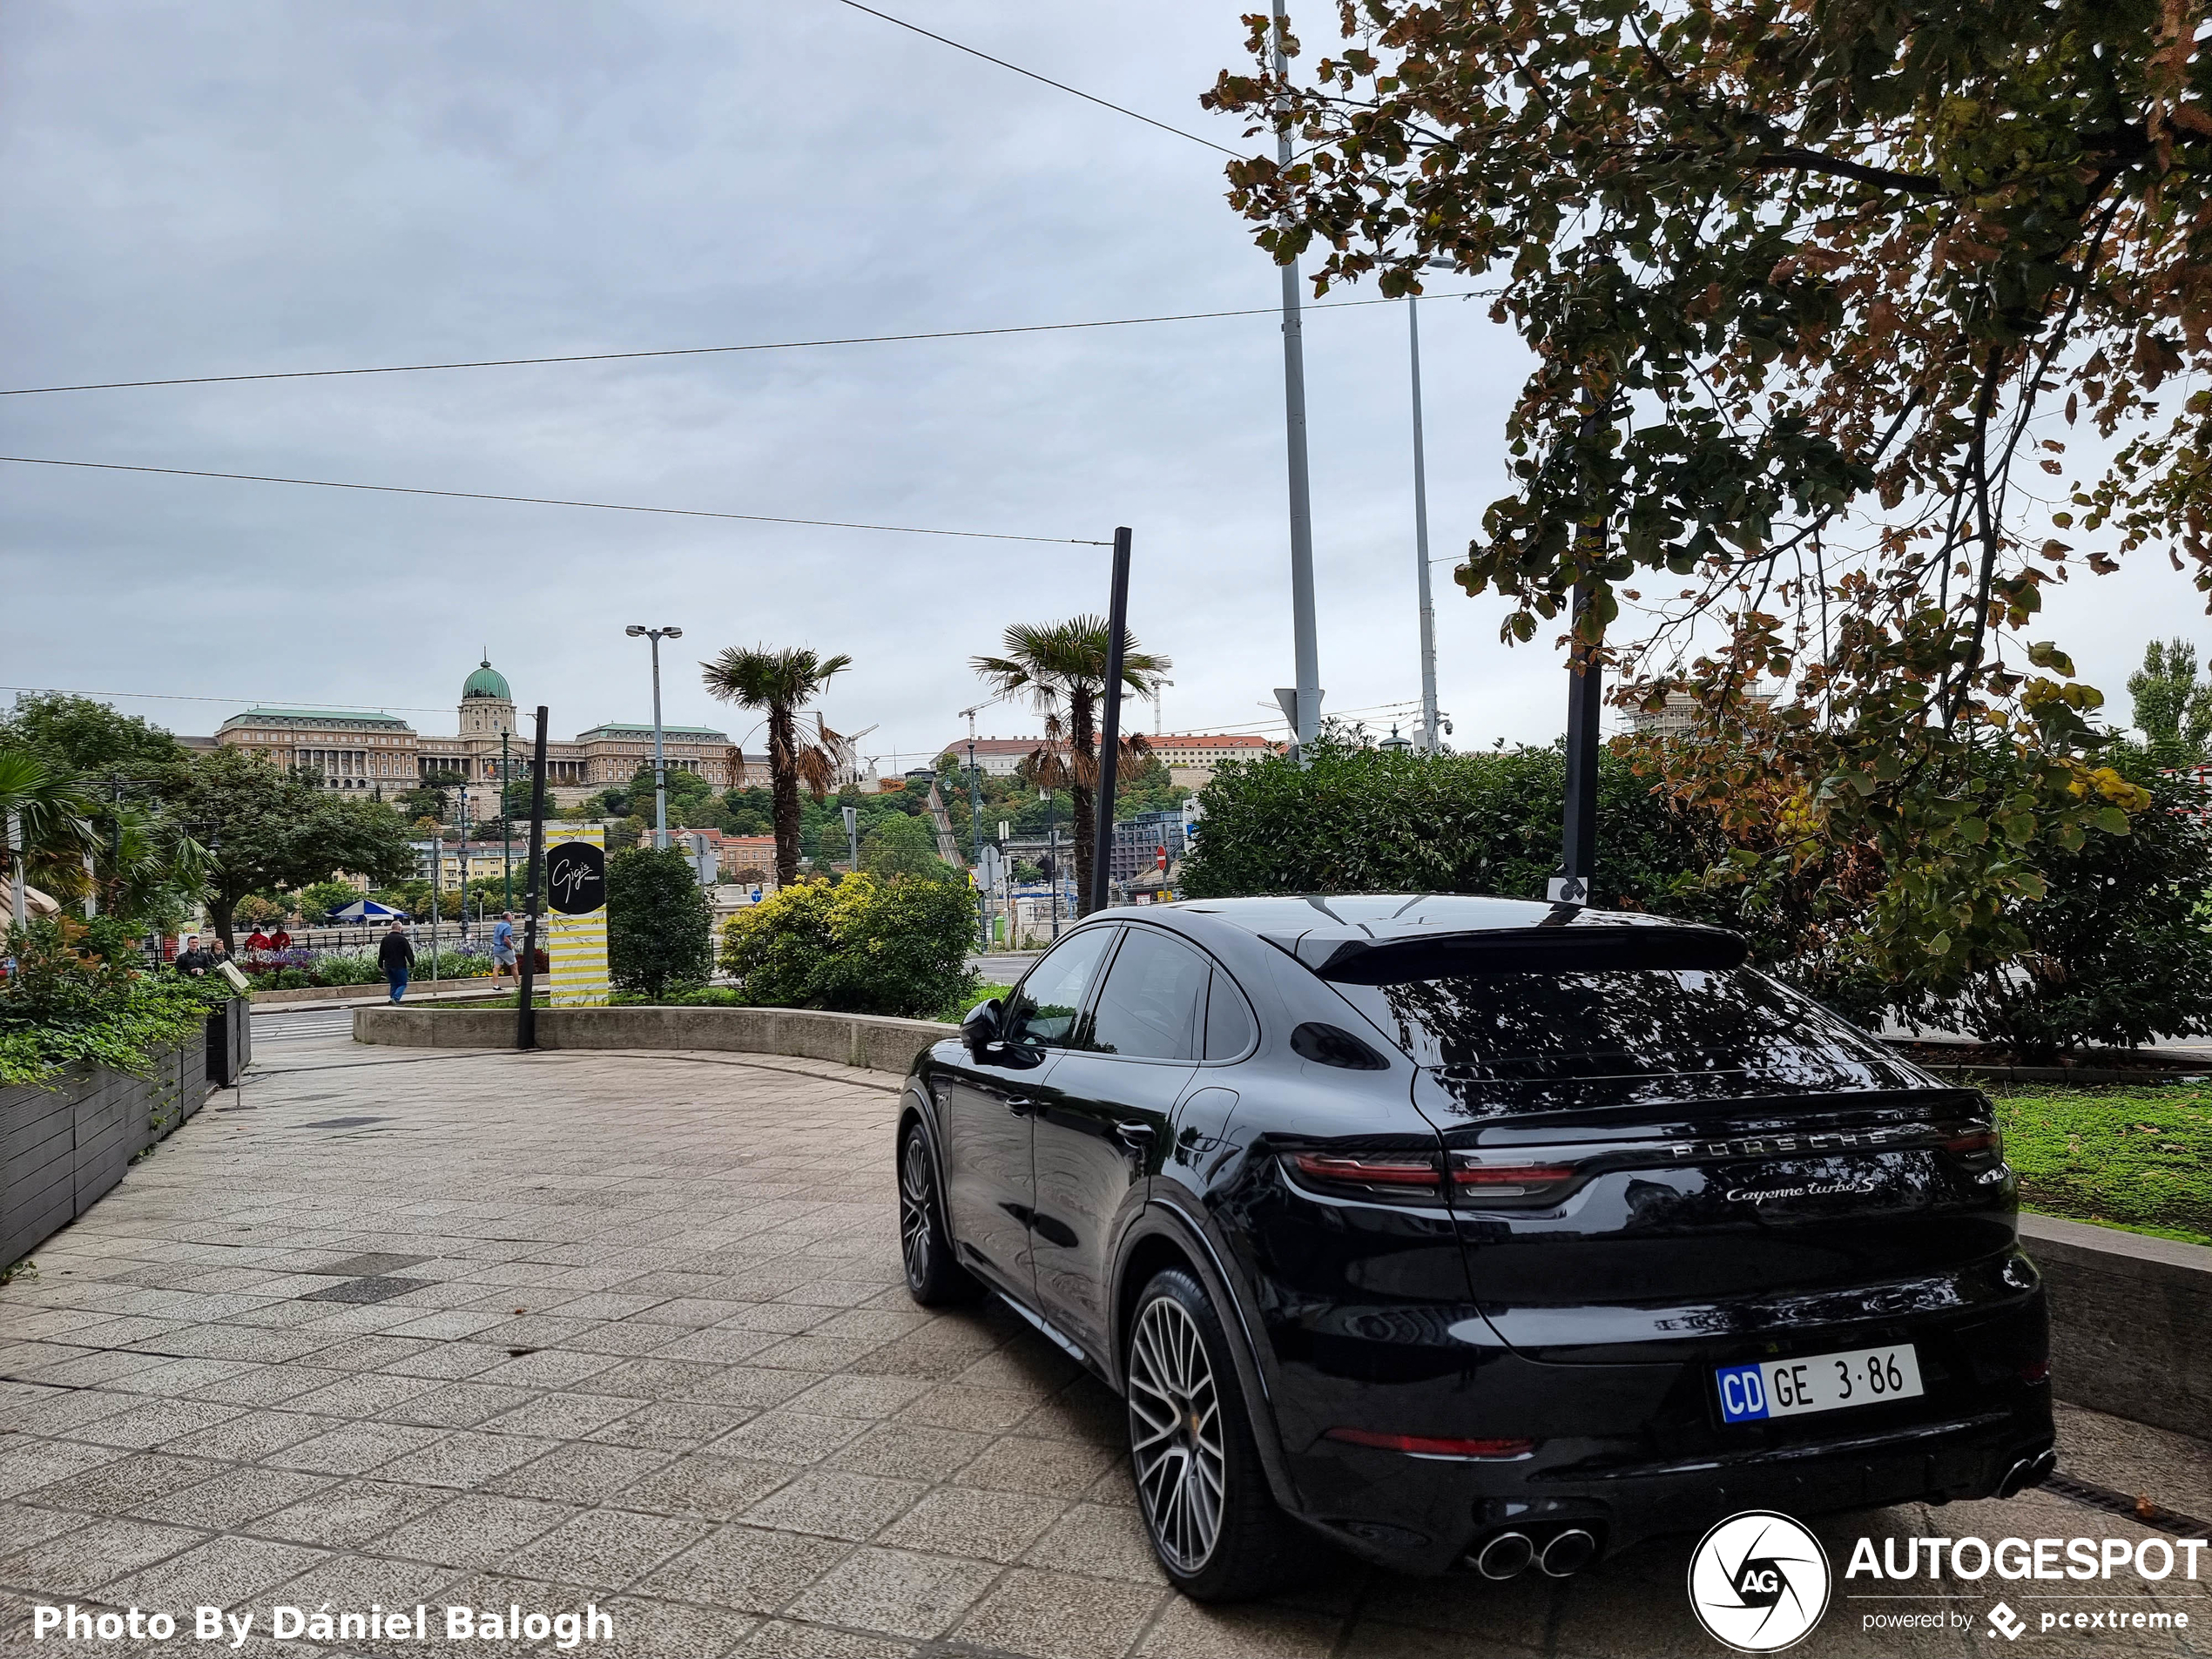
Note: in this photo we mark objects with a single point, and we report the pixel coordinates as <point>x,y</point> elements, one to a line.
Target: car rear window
<point>1624,1023</point>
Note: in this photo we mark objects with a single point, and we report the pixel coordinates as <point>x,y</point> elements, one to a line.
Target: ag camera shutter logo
<point>1758,1582</point>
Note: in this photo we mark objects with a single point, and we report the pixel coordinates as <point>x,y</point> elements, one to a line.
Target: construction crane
<point>969,715</point>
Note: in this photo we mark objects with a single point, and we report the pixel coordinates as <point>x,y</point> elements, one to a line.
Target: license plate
<point>1821,1382</point>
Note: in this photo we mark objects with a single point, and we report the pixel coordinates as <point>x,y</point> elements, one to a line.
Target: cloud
<point>212,189</point>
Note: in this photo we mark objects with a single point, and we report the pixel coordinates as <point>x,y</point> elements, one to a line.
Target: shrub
<point>864,946</point>
<point>1369,820</point>
<point>76,996</point>
<point>660,924</point>
<point>2118,951</point>
<point>345,967</point>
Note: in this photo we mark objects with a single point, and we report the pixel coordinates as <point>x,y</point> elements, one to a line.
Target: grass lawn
<point>2134,1157</point>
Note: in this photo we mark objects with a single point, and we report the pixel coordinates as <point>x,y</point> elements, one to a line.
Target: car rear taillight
<point>1477,1178</point>
<point>1487,1183</point>
<point>1432,1446</point>
<point>1400,1176</point>
<point>1976,1144</point>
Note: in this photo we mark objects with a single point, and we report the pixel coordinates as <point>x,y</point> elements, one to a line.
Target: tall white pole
<point>1420,538</point>
<point>660,767</point>
<point>1307,704</point>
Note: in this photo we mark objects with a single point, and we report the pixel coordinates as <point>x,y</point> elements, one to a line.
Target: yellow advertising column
<point>575,920</point>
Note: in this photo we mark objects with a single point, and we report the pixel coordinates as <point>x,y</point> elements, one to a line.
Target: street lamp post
<point>1304,704</point>
<point>1427,733</point>
<point>660,764</point>
<point>506,832</point>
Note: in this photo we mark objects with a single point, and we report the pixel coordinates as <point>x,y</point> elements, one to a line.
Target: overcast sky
<point>242,186</point>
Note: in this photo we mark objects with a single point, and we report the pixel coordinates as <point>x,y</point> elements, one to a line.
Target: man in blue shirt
<point>502,945</point>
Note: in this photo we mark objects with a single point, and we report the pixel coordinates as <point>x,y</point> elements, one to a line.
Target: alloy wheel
<point>1175,1433</point>
<point>914,1218</point>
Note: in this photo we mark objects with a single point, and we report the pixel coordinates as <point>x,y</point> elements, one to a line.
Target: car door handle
<point>1019,1106</point>
<point>1136,1136</point>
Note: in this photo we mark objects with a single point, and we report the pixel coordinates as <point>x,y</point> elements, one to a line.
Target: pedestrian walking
<point>192,959</point>
<point>502,945</point>
<point>396,955</point>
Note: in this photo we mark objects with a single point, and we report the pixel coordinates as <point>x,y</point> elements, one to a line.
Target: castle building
<point>358,749</point>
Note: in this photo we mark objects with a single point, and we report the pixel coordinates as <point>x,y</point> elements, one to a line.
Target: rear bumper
<point>1632,1451</point>
<point>1427,1517</point>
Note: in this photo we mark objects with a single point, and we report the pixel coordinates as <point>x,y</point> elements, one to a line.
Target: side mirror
<point>984,1025</point>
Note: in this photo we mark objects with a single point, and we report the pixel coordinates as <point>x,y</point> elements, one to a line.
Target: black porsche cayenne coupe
<point>1475,1232</point>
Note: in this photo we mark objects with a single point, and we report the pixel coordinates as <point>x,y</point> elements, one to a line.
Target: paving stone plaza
<point>389,1327</point>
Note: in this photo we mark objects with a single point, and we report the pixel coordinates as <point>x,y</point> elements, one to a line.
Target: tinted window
<point>1149,1007</point>
<point>1229,1021</point>
<point>1550,1027</point>
<point>1046,1005</point>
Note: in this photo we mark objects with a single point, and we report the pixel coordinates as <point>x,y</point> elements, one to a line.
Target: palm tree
<point>1061,668</point>
<point>778,683</point>
<point>52,814</point>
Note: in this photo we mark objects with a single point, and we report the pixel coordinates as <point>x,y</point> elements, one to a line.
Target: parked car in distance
<point>1476,1233</point>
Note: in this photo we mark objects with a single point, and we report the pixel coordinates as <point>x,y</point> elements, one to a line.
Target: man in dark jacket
<point>192,960</point>
<point>396,955</point>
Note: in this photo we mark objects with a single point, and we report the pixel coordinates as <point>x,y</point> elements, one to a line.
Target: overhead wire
<point>1077,92</point>
<point>553,501</point>
<point>693,351</point>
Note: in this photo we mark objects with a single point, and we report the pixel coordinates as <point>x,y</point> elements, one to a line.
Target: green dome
<point>487,681</point>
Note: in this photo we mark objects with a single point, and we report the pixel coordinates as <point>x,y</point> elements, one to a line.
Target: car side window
<point>1048,1001</point>
<point>1229,1027</point>
<point>1149,1008</point>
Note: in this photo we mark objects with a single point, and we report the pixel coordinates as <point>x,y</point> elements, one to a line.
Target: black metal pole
<point>526,1006</point>
<point>1109,729</point>
<point>1586,681</point>
<point>1578,837</point>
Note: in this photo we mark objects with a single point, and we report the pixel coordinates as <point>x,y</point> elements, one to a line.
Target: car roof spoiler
<point>1590,947</point>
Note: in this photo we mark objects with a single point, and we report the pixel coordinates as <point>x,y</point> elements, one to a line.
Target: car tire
<point>1214,1525</point>
<point>934,1278</point>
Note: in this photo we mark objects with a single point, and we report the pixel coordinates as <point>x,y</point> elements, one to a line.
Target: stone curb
<point>874,1041</point>
<point>2131,1321</point>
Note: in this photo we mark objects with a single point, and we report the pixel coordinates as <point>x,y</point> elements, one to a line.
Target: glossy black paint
<point>1820,1196</point>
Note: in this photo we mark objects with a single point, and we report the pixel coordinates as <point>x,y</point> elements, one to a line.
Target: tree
<point>900,844</point>
<point>429,798</point>
<point>86,736</point>
<point>2172,708</point>
<point>317,899</point>
<point>659,922</point>
<point>146,866</point>
<point>268,829</point>
<point>1808,289</point>
<point>780,684</point>
<point>2117,951</point>
<point>53,815</point>
<point>1061,669</point>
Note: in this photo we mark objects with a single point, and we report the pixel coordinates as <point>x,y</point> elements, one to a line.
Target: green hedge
<point>1369,820</point>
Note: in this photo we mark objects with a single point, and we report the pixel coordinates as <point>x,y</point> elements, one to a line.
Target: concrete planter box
<point>871,1040</point>
<point>2131,1322</point>
<point>62,1147</point>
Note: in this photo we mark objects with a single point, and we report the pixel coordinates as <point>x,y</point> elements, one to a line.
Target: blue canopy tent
<point>366,910</point>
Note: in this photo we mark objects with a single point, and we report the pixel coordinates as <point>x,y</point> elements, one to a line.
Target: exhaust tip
<point>2028,1471</point>
<point>1568,1553</point>
<point>1506,1556</point>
